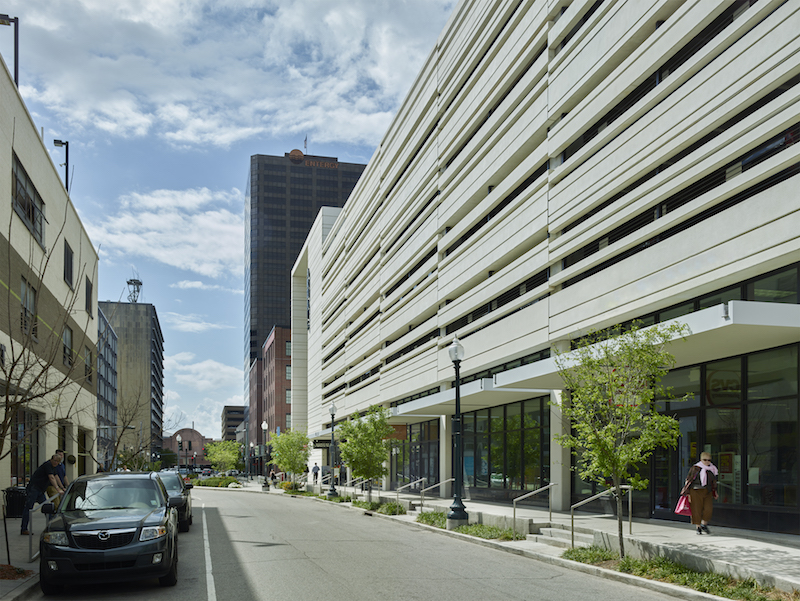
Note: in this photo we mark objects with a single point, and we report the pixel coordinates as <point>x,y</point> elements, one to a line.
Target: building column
<point>560,457</point>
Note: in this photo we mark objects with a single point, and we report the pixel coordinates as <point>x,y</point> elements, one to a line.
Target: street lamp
<point>65,145</point>
<point>180,448</point>
<point>6,20</point>
<point>250,459</point>
<point>332,490</point>
<point>264,428</point>
<point>457,509</point>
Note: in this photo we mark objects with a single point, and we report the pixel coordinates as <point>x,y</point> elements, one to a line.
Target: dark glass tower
<point>284,195</point>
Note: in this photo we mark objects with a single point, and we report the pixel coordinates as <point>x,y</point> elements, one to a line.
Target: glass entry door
<point>672,465</point>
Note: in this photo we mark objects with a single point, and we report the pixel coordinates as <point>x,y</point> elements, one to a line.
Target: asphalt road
<point>246,546</point>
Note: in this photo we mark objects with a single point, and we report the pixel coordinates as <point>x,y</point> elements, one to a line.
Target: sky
<point>164,101</point>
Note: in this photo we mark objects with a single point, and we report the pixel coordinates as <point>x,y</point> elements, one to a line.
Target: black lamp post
<point>457,509</point>
<point>264,428</point>
<point>332,490</point>
<point>6,20</point>
<point>65,144</point>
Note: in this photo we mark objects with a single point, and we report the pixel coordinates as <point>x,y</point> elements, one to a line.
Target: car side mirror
<point>48,508</point>
<point>188,486</point>
<point>176,501</point>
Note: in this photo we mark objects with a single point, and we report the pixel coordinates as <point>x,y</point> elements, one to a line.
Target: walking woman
<point>701,486</point>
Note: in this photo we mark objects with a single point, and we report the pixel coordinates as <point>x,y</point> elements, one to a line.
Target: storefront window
<point>772,374</point>
<point>723,441</point>
<point>772,453</point>
<point>721,297</point>
<point>679,383</point>
<point>724,382</point>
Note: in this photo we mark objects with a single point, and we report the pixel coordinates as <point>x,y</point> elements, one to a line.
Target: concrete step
<point>558,542</point>
<point>561,534</point>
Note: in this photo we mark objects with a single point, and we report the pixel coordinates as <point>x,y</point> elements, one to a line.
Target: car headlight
<point>152,532</point>
<point>56,538</point>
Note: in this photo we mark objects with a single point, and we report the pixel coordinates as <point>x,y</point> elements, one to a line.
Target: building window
<point>288,372</point>
<point>24,446</point>
<point>68,263</point>
<point>27,202</point>
<point>67,340</point>
<point>28,309</point>
<point>288,348</point>
<point>289,396</point>
<point>89,293</point>
<point>288,421</point>
<point>87,360</point>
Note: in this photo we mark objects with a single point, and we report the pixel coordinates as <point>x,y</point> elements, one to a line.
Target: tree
<point>613,378</point>
<point>290,451</point>
<point>223,455</point>
<point>365,444</point>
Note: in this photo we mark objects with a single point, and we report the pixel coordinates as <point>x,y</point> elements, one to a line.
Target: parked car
<point>176,486</point>
<point>207,471</point>
<point>110,527</point>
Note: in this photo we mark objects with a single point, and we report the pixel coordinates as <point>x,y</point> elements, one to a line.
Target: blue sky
<point>164,101</point>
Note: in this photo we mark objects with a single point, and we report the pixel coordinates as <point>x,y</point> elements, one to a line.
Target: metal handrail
<point>422,492</point>
<point>407,485</point>
<point>353,483</point>
<point>530,494</point>
<point>627,487</point>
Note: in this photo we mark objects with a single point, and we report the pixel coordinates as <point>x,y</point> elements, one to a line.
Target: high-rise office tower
<point>284,195</point>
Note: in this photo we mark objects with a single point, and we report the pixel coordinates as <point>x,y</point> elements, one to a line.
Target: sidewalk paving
<point>773,559</point>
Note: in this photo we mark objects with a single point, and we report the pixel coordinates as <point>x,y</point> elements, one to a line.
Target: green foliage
<point>215,481</point>
<point>290,451</point>
<point>665,570</point>
<point>368,505</point>
<point>433,518</point>
<point>223,455</point>
<point>335,499</point>
<point>613,378</point>
<point>365,443</point>
<point>289,486</point>
<point>589,554</point>
<point>488,532</point>
<point>392,508</point>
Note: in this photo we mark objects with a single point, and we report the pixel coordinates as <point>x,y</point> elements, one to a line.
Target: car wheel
<point>183,526</point>
<point>47,586</point>
<point>171,577</point>
<point>191,517</point>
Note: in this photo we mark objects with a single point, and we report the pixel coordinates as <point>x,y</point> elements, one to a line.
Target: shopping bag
<point>684,507</point>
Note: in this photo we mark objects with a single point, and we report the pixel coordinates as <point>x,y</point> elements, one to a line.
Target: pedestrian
<point>44,476</point>
<point>701,486</point>
<point>272,476</point>
<point>315,471</point>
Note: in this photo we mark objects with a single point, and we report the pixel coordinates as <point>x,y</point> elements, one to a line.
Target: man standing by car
<point>44,476</point>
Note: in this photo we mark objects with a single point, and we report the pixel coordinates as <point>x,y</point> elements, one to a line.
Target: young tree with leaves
<point>223,455</point>
<point>290,452</point>
<point>365,444</point>
<point>613,378</point>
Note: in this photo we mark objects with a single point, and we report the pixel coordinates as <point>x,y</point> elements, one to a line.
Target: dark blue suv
<point>111,527</point>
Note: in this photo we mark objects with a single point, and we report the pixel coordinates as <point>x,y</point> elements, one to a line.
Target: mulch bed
<point>8,572</point>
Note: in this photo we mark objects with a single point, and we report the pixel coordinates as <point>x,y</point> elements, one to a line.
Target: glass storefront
<point>507,450</point>
<point>745,414</point>
<point>416,456</point>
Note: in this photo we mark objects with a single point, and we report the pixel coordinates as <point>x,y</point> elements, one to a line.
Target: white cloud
<point>196,230</point>
<point>205,415</point>
<point>192,323</point>
<point>211,72</point>
<point>204,375</point>
<point>195,285</point>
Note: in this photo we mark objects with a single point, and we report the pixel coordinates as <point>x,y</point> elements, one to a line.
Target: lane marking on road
<point>211,592</point>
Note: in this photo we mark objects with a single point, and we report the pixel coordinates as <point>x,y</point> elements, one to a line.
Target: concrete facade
<point>232,416</point>
<point>140,368</point>
<point>48,300</point>
<point>558,168</point>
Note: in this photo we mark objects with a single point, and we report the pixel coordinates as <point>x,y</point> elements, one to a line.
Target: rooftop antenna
<point>134,287</point>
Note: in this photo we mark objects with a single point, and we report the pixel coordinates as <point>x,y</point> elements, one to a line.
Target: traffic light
<point>180,446</point>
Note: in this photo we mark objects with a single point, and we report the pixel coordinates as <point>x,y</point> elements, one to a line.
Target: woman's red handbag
<point>684,507</point>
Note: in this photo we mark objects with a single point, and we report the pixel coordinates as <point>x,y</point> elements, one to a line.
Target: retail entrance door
<point>672,465</point>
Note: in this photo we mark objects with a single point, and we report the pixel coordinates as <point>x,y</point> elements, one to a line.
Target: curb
<point>23,591</point>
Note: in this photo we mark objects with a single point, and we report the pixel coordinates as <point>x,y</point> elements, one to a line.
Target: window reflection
<point>772,453</point>
<point>723,441</point>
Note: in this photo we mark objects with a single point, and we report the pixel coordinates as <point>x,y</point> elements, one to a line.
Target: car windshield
<point>172,482</point>
<point>99,494</point>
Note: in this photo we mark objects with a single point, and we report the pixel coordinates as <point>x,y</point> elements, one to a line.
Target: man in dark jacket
<point>44,476</point>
